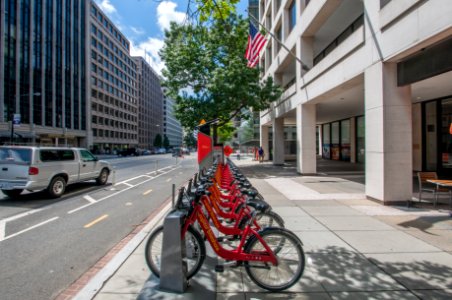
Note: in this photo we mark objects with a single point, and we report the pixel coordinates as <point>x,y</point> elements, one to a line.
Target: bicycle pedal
<point>219,268</point>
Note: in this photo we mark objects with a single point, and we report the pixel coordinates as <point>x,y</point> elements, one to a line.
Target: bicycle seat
<point>258,205</point>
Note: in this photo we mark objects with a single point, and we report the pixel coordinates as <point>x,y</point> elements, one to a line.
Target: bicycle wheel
<point>289,253</point>
<point>195,251</point>
<point>269,219</point>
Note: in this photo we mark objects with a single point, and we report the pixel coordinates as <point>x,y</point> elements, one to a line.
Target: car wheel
<point>57,187</point>
<point>103,177</point>
<point>12,193</point>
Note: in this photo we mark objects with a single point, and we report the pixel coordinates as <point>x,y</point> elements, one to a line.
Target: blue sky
<point>143,23</point>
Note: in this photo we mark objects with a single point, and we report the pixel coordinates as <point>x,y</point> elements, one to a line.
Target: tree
<point>206,73</point>
<point>190,140</point>
<point>158,141</point>
<point>166,142</point>
<point>218,9</point>
<point>226,132</point>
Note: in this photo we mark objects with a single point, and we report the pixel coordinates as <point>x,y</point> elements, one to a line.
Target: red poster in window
<point>204,146</point>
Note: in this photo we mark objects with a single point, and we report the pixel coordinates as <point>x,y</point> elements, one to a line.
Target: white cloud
<point>151,47</point>
<point>106,6</point>
<point>166,13</point>
<point>137,31</point>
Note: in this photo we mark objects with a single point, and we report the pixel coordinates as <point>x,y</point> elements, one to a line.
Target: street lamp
<point>12,114</point>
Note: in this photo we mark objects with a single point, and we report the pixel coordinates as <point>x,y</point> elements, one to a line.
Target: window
<point>87,156</point>
<point>56,155</point>
<point>292,15</point>
<point>15,155</point>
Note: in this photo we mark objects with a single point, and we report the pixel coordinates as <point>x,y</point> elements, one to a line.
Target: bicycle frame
<point>236,254</point>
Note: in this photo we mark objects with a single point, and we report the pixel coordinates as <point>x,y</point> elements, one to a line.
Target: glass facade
<point>337,140</point>
<point>360,140</point>
<point>43,70</point>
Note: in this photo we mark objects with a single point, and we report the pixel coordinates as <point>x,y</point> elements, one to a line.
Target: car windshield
<point>15,155</point>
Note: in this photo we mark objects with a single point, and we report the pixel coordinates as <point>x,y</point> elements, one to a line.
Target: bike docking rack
<point>226,213</point>
<point>173,274</point>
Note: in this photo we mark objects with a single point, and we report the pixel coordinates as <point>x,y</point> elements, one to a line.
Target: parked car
<point>177,152</point>
<point>128,152</point>
<point>48,168</point>
<point>160,151</point>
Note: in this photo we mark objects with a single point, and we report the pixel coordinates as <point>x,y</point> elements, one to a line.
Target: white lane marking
<point>27,213</point>
<point>12,218</point>
<point>89,199</point>
<point>2,230</point>
<point>169,179</point>
<point>119,192</point>
<point>130,179</point>
<point>126,183</point>
<point>29,228</point>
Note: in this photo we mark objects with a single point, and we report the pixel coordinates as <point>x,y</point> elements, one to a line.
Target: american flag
<point>256,42</point>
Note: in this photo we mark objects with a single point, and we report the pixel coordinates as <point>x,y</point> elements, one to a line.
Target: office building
<point>372,87</point>
<point>150,104</point>
<point>171,126</point>
<point>113,93</point>
<point>43,71</point>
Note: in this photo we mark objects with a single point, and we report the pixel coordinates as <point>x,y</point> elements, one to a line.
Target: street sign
<point>16,120</point>
<point>227,151</point>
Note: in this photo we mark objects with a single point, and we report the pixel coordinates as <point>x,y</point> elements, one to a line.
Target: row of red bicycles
<point>221,207</point>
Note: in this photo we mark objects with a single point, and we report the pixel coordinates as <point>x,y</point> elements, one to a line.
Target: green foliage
<point>226,132</point>
<point>166,142</point>
<point>158,141</point>
<point>206,72</point>
<point>247,132</point>
<point>218,9</point>
<point>190,140</point>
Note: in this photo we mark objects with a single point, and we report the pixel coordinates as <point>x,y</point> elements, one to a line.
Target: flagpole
<point>303,66</point>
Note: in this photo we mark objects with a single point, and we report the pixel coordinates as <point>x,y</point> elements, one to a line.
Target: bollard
<point>156,166</point>
<point>173,272</point>
<point>174,194</point>
<point>113,179</point>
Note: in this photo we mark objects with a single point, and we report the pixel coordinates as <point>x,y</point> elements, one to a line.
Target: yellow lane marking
<point>95,221</point>
<point>147,192</point>
<point>168,180</point>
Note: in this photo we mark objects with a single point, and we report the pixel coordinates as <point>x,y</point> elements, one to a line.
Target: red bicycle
<point>273,257</point>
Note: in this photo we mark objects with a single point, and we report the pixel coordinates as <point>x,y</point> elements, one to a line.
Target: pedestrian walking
<point>261,154</point>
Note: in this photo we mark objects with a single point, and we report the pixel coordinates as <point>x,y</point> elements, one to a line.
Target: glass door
<point>446,136</point>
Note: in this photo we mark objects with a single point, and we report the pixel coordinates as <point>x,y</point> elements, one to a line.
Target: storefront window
<point>345,140</point>
<point>446,134</point>
<point>326,141</point>
<point>335,146</point>
<point>360,140</point>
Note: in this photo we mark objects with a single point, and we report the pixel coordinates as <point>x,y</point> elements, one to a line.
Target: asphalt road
<point>46,244</point>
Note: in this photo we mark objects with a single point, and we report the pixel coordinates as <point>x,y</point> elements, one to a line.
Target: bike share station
<point>173,273</point>
<point>222,201</point>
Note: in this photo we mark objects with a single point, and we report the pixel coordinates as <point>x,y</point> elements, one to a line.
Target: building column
<point>306,139</point>
<point>388,122</point>
<point>278,141</point>
<point>264,141</point>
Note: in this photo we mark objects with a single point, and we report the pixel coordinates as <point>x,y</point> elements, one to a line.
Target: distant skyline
<point>143,23</point>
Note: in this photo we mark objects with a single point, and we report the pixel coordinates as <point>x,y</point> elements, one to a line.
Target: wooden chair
<point>425,186</point>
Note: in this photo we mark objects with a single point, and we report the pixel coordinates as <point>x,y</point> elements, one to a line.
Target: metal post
<point>156,166</point>
<point>174,194</point>
<point>113,179</point>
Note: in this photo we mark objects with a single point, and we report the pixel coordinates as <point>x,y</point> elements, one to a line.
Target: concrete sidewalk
<point>355,248</point>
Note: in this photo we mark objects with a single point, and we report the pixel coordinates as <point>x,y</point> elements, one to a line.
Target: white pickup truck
<point>52,168</point>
